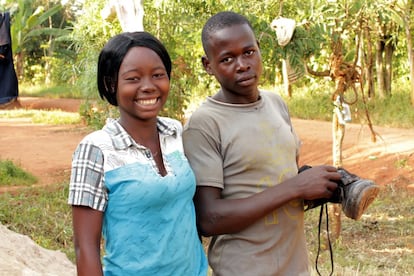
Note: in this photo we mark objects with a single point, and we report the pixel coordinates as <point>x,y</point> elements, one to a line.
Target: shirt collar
<point>122,140</point>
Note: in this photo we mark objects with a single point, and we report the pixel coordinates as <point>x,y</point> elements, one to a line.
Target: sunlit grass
<point>53,117</point>
<point>380,243</point>
<point>49,91</point>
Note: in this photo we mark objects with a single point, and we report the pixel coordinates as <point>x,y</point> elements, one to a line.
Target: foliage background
<point>57,43</point>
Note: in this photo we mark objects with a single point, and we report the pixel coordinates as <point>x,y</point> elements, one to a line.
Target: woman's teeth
<point>148,102</point>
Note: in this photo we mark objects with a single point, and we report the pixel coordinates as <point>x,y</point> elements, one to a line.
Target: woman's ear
<point>206,65</point>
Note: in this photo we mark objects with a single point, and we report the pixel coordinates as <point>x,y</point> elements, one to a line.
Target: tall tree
<point>27,26</point>
<point>403,13</point>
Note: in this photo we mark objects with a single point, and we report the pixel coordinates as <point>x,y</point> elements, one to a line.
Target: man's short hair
<point>220,21</point>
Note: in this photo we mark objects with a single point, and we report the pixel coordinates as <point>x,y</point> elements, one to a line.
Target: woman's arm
<point>87,227</point>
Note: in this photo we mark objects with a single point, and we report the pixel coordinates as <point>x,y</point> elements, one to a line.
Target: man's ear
<point>206,65</point>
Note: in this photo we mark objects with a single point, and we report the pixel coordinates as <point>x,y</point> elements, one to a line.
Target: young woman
<point>130,181</point>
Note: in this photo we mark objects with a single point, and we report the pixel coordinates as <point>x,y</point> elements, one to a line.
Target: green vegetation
<point>315,103</point>
<point>41,214</point>
<point>49,91</point>
<point>12,175</point>
<point>56,44</point>
<point>380,243</point>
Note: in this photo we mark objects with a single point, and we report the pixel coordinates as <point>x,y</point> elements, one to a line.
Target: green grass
<point>12,175</point>
<point>54,117</point>
<point>42,214</point>
<point>51,91</point>
<point>380,243</point>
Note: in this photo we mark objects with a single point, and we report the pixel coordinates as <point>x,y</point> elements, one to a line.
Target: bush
<point>10,174</point>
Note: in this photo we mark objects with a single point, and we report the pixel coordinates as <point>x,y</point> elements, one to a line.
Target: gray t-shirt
<point>244,149</point>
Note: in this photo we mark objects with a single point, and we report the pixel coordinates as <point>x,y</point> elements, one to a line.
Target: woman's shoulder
<point>170,125</point>
<point>96,137</point>
<point>169,121</point>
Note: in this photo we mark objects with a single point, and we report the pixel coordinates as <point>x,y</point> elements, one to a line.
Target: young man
<point>244,153</point>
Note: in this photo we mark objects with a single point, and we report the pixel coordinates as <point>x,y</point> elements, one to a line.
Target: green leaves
<point>27,23</point>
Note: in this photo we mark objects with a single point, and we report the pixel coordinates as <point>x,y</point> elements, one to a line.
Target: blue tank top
<point>152,216</point>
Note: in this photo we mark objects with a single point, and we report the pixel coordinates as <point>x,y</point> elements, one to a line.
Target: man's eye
<point>226,60</point>
<point>249,52</point>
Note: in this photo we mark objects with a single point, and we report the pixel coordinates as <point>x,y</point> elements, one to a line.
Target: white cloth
<point>284,28</point>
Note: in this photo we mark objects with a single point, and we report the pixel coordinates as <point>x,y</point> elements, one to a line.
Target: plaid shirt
<point>108,149</point>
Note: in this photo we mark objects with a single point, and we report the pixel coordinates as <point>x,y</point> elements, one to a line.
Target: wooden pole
<point>338,133</point>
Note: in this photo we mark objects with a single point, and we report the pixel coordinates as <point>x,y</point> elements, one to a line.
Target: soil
<point>46,151</point>
<point>42,150</point>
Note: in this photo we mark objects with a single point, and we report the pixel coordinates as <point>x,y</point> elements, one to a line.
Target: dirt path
<point>46,151</point>
<point>43,150</point>
<point>388,161</point>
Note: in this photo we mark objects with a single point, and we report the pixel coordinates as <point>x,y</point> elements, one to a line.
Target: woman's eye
<point>132,78</point>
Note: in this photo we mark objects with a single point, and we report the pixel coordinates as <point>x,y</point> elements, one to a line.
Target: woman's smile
<point>147,101</point>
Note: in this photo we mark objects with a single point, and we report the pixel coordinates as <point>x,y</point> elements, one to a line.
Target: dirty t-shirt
<point>243,149</point>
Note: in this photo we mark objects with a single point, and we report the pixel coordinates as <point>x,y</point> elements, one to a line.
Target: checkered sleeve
<point>86,186</point>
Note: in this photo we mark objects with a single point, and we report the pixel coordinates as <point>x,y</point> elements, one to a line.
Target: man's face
<point>233,57</point>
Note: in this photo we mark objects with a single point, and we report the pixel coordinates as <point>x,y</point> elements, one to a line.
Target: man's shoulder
<point>204,110</point>
<point>271,95</point>
<point>273,98</point>
<point>205,115</point>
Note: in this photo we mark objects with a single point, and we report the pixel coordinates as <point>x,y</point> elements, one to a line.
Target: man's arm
<point>220,216</point>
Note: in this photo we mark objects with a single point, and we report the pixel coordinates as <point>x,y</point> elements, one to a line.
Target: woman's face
<point>143,84</point>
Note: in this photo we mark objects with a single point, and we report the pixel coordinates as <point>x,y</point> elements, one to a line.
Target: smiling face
<point>143,85</point>
<point>233,57</point>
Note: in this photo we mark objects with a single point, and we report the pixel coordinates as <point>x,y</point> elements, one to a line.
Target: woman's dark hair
<point>113,54</point>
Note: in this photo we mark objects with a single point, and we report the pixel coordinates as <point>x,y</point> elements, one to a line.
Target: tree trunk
<point>379,64</point>
<point>48,53</point>
<point>19,65</point>
<point>389,51</point>
<point>338,133</point>
<point>410,53</point>
<point>368,59</point>
<point>287,88</point>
